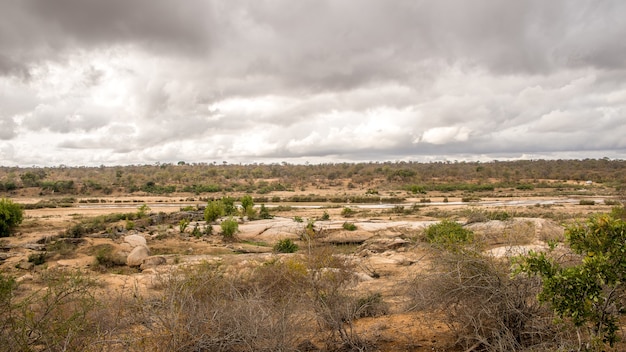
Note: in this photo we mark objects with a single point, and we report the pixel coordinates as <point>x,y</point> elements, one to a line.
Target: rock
<point>34,246</point>
<point>348,237</point>
<point>5,256</point>
<point>46,239</point>
<point>135,240</point>
<point>27,277</point>
<point>363,277</point>
<point>152,262</point>
<point>137,255</point>
<point>380,245</point>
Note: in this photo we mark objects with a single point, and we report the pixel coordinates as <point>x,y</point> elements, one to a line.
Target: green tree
<point>229,206</point>
<point>591,292</point>
<point>213,211</point>
<point>247,205</point>
<point>11,215</point>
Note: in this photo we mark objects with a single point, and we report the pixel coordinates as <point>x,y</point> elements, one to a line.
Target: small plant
<point>349,226</point>
<point>298,219</point>
<point>587,202</point>
<point>264,213</point>
<point>143,211</point>
<point>325,216</point>
<point>229,228</point>
<point>208,229</point>
<point>130,225</point>
<point>347,212</point>
<point>106,258</point>
<point>37,258</point>
<point>196,232</point>
<point>286,246</point>
<point>182,225</point>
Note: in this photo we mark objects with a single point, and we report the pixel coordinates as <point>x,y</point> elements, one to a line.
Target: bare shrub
<point>483,304</point>
<point>62,316</point>
<point>330,277</point>
<point>206,309</point>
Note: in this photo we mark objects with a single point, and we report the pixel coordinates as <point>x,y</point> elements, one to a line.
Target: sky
<point>118,82</point>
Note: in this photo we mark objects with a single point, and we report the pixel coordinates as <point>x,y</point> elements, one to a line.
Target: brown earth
<point>383,247</point>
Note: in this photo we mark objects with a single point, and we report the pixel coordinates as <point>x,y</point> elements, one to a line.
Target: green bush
<point>11,215</point>
<point>349,226</point>
<point>213,211</point>
<point>229,227</point>
<point>264,213</point>
<point>347,212</point>
<point>449,234</point>
<point>286,246</point>
<point>37,258</point>
<point>589,293</point>
<point>587,202</point>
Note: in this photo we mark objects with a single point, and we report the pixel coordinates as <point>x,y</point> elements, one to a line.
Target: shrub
<point>590,292</point>
<point>448,234</point>
<point>587,202</point>
<point>297,219</point>
<point>286,246</point>
<point>229,206</point>
<point>11,215</point>
<point>325,216</point>
<point>182,225</point>
<point>106,258</point>
<point>349,226</point>
<point>213,211</point>
<point>482,304</point>
<point>347,212</point>
<point>247,203</point>
<point>264,213</point>
<point>371,306</point>
<point>229,227</point>
<point>37,258</point>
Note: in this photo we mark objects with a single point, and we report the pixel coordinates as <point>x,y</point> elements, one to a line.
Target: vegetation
<point>448,234</point>
<point>349,226</point>
<point>213,211</point>
<point>11,215</point>
<point>590,292</point>
<point>229,228</point>
<point>286,246</point>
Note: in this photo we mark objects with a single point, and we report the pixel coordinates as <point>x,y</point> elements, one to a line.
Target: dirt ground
<point>392,267</point>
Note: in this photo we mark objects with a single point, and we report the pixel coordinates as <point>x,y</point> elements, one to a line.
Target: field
<point>337,259</point>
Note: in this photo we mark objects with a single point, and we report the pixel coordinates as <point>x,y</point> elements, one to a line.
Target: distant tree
<point>11,215</point>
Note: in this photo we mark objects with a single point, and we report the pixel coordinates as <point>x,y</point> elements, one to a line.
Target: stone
<point>135,240</point>
<point>137,255</point>
<point>152,261</point>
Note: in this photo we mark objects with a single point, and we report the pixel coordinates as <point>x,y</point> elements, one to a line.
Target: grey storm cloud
<point>152,80</point>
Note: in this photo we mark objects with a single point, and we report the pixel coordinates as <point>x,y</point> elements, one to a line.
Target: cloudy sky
<point>91,82</point>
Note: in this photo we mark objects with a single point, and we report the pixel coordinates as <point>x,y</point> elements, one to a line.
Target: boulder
<point>135,240</point>
<point>137,255</point>
<point>152,261</point>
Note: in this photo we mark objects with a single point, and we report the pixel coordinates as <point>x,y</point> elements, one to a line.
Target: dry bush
<point>63,315</point>
<point>483,305</point>
<point>329,278</point>
<point>205,309</point>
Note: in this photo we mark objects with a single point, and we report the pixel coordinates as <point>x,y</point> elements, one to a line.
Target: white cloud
<point>344,80</point>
